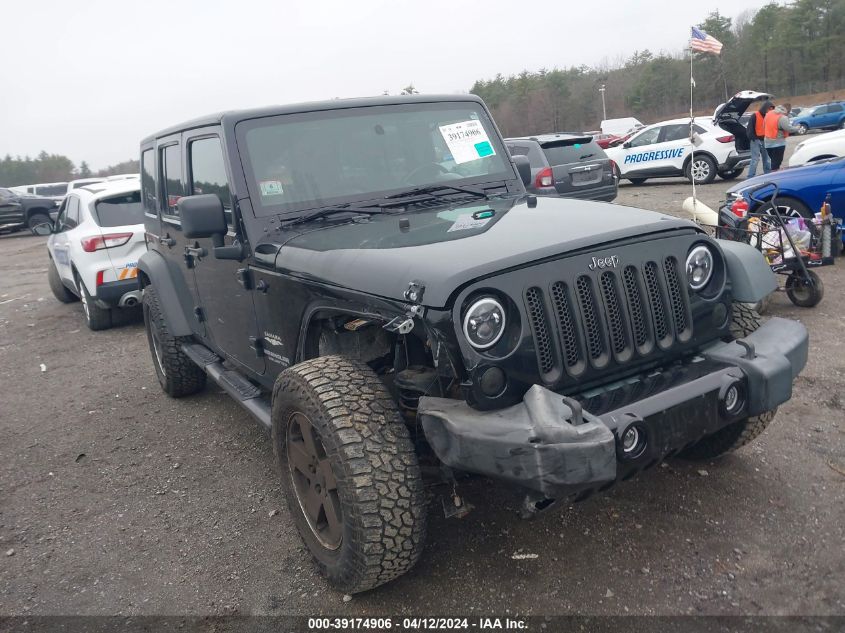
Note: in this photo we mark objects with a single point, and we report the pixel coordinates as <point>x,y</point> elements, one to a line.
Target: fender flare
<point>751,278</point>
<point>153,269</point>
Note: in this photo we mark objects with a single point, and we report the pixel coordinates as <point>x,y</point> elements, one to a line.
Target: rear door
<point>67,221</point>
<point>834,115</point>
<point>577,164</point>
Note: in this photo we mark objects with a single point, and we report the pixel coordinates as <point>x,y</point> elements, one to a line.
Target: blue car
<point>801,190</point>
<point>821,117</point>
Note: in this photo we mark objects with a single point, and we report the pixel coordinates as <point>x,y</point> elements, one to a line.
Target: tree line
<point>787,50</point>
<point>53,168</point>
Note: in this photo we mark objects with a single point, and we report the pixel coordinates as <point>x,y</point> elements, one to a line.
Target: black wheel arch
<point>154,269</point>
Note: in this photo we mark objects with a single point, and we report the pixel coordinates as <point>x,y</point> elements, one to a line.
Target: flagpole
<point>691,124</point>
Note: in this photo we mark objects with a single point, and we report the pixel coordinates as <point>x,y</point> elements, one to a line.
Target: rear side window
<point>565,153</point>
<point>52,190</point>
<point>519,150</point>
<point>208,171</point>
<point>834,108</point>
<point>119,210</point>
<point>171,169</point>
<point>148,181</point>
<point>72,217</point>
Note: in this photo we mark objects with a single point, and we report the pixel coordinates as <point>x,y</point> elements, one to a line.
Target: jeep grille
<point>608,315</point>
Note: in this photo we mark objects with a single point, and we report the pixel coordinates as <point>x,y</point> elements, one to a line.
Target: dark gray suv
<point>566,165</point>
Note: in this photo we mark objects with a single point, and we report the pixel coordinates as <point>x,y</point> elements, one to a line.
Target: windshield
<point>119,210</point>
<point>301,161</point>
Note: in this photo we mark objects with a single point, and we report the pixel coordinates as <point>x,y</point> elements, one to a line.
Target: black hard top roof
<point>233,116</point>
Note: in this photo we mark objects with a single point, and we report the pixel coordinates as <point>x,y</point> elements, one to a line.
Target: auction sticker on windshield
<point>467,141</point>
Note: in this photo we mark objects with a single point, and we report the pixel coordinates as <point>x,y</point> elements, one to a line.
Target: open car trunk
<point>727,116</point>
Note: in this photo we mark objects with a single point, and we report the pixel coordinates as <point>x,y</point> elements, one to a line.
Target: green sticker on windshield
<point>484,149</point>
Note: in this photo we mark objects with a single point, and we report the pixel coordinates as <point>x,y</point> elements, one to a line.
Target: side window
<point>148,181</point>
<point>208,171</point>
<point>834,108</point>
<point>676,132</point>
<point>820,110</point>
<point>171,170</point>
<point>649,137</point>
<point>72,217</point>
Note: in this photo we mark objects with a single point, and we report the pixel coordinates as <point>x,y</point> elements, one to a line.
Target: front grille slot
<point>617,329</point>
<point>677,298</point>
<point>640,324</point>
<point>540,330</point>
<point>566,326</point>
<point>593,329</point>
<point>655,298</point>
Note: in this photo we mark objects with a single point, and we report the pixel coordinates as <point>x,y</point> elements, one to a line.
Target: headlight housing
<point>484,323</point>
<point>699,267</point>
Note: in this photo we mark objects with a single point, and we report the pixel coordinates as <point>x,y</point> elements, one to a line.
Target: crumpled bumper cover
<point>548,444</point>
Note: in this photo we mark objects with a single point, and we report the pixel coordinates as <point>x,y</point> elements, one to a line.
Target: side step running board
<point>239,388</point>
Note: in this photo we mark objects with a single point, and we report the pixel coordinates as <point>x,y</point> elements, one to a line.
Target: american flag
<point>700,41</point>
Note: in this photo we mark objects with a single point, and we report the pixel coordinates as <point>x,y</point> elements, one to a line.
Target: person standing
<point>756,134</point>
<point>777,129</point>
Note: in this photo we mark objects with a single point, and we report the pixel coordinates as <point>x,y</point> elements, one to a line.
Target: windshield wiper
<point>432,189</point>
<point>329,211</point>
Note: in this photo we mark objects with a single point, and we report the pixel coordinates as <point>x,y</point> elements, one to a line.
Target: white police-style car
<point>665,149</point>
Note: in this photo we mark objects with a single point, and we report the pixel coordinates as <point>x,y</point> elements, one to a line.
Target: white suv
<point>94,247</point>
<point>664,150</point>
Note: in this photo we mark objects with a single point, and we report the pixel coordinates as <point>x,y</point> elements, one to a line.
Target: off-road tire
<point>96,318</point>
<point>59,290</point>
<point>177,374</point>
<point>744,321</point>
<point>35,219</point>
<point>378,483</point>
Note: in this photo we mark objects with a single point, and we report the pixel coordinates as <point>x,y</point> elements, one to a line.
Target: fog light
<point>492,382</point>
<point>632,441</point>
<point>733,400</point>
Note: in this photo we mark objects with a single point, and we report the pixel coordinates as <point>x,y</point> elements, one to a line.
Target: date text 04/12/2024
<point>416,624</point>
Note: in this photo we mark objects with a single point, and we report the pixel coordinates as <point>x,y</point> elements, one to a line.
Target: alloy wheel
<point>314,482</point>
<point>700,170</point>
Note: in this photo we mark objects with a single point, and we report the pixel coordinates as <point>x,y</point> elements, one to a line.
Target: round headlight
<point>699,267</point>
<point>484,323</point>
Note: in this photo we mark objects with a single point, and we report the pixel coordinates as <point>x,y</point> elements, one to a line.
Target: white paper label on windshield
<point>467,141</point>
<point>467,222</point>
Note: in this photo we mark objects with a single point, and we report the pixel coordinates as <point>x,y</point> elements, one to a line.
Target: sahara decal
<point>659,155</point>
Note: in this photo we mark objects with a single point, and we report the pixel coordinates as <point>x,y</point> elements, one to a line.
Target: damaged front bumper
<point>557,446</point>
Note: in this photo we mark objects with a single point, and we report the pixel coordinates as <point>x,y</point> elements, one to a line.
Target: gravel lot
<point>117,499</point>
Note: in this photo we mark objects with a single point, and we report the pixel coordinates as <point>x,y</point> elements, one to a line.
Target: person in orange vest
<point>756,134</point>
<point>776,128</point>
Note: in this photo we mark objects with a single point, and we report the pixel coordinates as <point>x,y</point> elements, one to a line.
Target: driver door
<point>222,286</point>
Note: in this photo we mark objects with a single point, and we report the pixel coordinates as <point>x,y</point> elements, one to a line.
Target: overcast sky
<point>89,79</point>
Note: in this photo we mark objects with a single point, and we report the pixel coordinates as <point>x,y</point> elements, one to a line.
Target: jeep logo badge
<point>604,262</point>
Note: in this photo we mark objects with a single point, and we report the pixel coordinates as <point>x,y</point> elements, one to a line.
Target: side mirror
<point>523,168</point>
<point>627,144</point>
<point>202,216</point>
<point>45,228</point>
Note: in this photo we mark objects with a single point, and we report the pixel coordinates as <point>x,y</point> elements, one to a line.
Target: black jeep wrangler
<point>369,279</point>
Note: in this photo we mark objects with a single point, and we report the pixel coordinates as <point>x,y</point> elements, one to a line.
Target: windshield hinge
<point>415,291</point>
<point>245,278</point>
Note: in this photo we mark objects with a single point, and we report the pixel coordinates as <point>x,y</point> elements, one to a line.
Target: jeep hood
<point>447,247</point>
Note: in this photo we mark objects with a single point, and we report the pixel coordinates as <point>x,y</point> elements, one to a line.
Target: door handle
<point>196,251</point>
<point>168,241</point>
